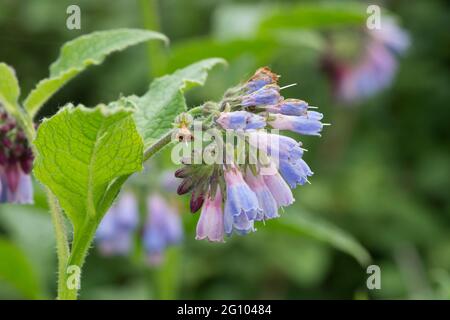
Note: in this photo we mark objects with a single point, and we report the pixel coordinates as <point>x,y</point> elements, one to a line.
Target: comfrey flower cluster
<point>374,70</point>
<point>254,182</point>
<point>162,227</point>
<point>16,159</point>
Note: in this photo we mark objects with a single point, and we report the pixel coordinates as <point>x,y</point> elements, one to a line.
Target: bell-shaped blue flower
<point>241,205</point>
<point>307,125</point>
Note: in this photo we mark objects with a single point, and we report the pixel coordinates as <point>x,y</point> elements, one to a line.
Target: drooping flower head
<point>115,233</point>
<point>163,228</point>
<point>375,68</point>
<point>250,184</point>
<point>16,160</point>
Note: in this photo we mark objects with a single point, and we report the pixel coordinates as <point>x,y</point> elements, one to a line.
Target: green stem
<point>62,244</point>
<point>25,121</point>
<point>72,269</point>
<point>158,145</point>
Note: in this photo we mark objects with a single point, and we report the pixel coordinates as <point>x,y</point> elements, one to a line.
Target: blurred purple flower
<point>162,229</point>
<point>376,68</point>
<point>115,233</point>
<point>16,161</point>
<point>169,182</point>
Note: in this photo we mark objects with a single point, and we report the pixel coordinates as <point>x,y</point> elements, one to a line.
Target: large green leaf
<point>9,88</point>
<point>80,53</point>
<point>314,227</point>
<point>16,270</point>
<point>157,109</point>
<point>81,152</point>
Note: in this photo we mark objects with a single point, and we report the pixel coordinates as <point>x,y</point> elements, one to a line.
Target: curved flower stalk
<point>246,187</point>
<point>16,160</point>
<point>85,155</point>
<point>374,70</point>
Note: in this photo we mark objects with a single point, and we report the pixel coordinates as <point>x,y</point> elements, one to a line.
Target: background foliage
<point>382,168</point>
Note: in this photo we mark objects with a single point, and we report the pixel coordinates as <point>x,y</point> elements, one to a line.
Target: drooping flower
<point>276,146</point>
<point>295,173</point>
<point>308,124</point>
<point>210,225</point>
<point>279,189</point>
<point>16,160</point>
<point>374,70</point>
<point>254,182</point>
<point>267,203</point>
<point>290,107</point>
<point>162,229</point>
<point>287,155</point>
<point>115,232</point>
<point>267,95</point>
<point>241,204</point>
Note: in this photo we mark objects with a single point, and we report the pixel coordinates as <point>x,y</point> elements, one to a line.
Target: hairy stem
<point>158,145</point>
<point>25,121</point>
<point>62,244</point>
<point>70,280</point>
<point>72,269</point>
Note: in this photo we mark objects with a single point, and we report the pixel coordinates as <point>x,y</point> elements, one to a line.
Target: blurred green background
<point>382,170</point>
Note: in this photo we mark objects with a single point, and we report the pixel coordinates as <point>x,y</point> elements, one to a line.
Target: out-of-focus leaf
<point>17,271</point>
<point>80,53</point>
<point>261,50</point>
<point>9,89</point>
<point>303,260</point>
<point>166,277</point>
<point>157,109</point>
<point>315,16</point>
<point>238,21</point>
<point>306,224</point>
<point>31,229</point>
<point>81,152</point>
<point>201,48</point>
